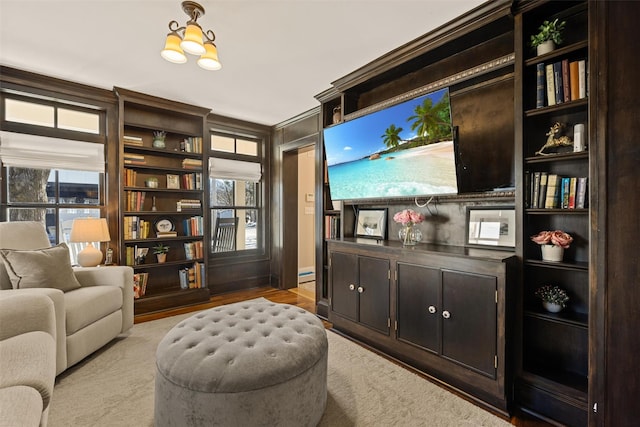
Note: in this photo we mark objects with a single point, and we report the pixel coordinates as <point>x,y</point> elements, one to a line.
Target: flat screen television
<point>405,150</point>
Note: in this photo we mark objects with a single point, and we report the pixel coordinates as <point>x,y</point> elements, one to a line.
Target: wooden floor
<point>297,297</point>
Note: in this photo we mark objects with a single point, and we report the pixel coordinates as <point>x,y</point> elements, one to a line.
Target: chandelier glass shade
<point>191,39</point>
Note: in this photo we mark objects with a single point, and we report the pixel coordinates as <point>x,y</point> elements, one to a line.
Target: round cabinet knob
<point>360,289</point>
<point>446,314</point>
<point>352,287</point>
<point>432,309</point>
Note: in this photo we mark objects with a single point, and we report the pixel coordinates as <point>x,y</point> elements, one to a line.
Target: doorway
<point>306,222</point>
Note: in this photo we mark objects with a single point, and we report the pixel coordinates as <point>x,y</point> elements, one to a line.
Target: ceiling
<point>276,54</point>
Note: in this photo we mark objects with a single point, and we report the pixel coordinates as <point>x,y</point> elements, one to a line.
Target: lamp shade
<point>172,51</point>
<point>210,61</point>
<point>192,40</point>
<point>89,230</point>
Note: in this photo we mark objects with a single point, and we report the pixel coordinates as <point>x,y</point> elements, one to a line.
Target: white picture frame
<point>491,227</point>
<point>173,181</point>
<point>372,223</point>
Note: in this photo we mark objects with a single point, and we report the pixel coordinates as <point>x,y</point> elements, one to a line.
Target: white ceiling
<point>276,54</point>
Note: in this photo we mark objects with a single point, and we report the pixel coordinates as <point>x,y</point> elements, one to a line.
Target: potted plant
<point>553,298</point>
<point>158,139</point>
<point>548,37</point>
<point>409,235</point>
<point>552,244</point>
<point>160,250</point>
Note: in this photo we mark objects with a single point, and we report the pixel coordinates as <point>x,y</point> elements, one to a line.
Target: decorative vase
<point>409,235</point>
<point>161,258</point>
<point>552,253</point>
<point>545,47</point>
<point>551,307</point>
<point>158,143</point>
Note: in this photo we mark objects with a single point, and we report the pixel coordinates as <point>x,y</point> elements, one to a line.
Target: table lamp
<point>87,230</point>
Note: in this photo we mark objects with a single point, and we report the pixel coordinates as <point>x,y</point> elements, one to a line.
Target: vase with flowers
<point>409,234</point>
<point>552,244</point>
<point>553,298</point>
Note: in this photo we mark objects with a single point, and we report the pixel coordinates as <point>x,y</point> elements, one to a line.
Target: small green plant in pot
<point>548,37</point>
<point>160,251</point>
<point>553,298</point>
<point>158,139</point>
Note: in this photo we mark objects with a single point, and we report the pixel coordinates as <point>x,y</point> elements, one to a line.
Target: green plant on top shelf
<point>549,30</point>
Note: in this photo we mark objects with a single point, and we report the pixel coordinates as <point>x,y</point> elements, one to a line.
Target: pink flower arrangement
<point>556,238</point>
<point>408,217</point>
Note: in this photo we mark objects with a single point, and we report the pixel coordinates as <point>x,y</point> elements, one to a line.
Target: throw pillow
<point>40,268</point>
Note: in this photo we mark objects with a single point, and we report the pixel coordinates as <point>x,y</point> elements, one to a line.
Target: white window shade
<point>234,169</point>
<point>40,152</point>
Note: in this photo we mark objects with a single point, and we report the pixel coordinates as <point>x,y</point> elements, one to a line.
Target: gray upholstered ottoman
<point>252,363</point>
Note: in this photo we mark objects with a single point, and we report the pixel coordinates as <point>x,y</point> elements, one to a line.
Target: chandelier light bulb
<point>210,61</point>
<point>192,41</point>
<point>172,51</point>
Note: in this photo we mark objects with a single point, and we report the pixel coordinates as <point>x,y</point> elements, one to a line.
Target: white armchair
<point>89,313</point>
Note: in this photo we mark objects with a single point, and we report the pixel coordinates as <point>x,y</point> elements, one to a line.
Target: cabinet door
<point>419,311</point>
<point>344,281</point>
<point>470,320</point>
<point>373,290</point>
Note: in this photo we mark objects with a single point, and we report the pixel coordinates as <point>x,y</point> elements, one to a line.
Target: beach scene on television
<point>404,150</point>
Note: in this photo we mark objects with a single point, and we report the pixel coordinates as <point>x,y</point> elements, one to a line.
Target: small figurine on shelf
<point>555,139</point>
<point>158,139</point>
<point>160,250</point>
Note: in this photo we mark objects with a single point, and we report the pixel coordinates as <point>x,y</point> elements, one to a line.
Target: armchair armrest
<point>120,276</point>
<point>22,313</point>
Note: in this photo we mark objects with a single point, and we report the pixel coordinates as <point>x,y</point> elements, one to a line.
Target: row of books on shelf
<point>188,204</point>
<point>193,226</point>
<point>192,181</point>
<point>331,227</point>
<point>134,159</point>
<point>132,140</point>
<point>194,250</point>
<point>560,82</point>
<point>192,277</point>
<point>136,228</point>
<point>192,163</point>
<point>134,200</point>
<point>191,145</point>
<point>130,177</point>
<point>553,191</point>
<point>140,284</point>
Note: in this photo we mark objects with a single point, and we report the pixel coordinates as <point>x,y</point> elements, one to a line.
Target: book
<point>557,79</point>
<point>543,189</point>
<point>581,193</point>
<point>582,79</point>
<point>564,193</point>
<point>551,87</point>
<point>572,192</point>
<point>566,84</point>
<point>574,80</point>
<point>540,89</point>
<point>551,199</point>
<point>535,191</point>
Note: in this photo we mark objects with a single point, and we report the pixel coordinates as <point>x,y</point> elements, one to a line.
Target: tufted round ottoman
<point>245,364</point>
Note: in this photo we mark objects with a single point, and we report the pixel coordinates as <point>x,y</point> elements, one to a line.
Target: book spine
<point>536,190</point>
<point>543,189</point>
<point>581,193</point>
<point>540,85</point>
<point>566,84</point>
<point>557,78</point>
<point>551,88</point>
<point>582,79</point>
<point>552,192</point>
<point>572,192</point>
<point>566,182</point>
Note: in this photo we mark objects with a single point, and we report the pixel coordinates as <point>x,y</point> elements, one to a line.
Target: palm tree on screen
<point>391,136</point>
<point>432,122</point>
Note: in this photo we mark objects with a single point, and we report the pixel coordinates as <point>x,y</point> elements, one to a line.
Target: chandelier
<point>191,40</point>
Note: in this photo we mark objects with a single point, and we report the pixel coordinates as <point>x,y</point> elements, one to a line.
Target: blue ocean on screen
<point>415,171</point>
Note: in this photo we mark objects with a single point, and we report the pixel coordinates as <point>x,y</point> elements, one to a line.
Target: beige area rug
<point>114,387</point>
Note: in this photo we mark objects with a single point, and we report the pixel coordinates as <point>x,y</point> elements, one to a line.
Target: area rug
<point>114,387</point>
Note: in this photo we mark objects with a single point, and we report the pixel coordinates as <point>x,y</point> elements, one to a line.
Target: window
<point>52,180</point>
<point>235,202</point>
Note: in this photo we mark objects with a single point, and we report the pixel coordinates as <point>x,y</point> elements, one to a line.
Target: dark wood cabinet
<point>440,309</point>
<point>450,313</point>
<point>360,289</point>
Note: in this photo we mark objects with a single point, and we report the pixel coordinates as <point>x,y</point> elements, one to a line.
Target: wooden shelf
<point>557,53</point>
<point>580,320</point>
<point>166,264</point>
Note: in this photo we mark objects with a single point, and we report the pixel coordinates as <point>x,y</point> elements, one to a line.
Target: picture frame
<point>491,227</point>
<point>372,223</point>
<point>173,181</point>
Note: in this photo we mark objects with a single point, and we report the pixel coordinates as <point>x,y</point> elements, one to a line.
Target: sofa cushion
<point>90,303</point>
<point>29,359</point>
<point>20,406</point>
<point>40,268</point>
